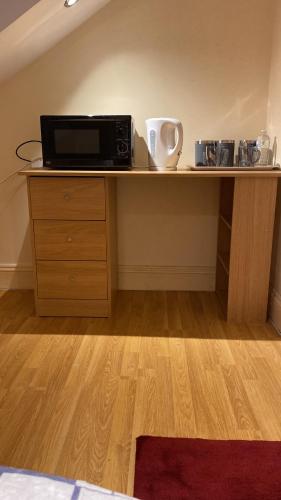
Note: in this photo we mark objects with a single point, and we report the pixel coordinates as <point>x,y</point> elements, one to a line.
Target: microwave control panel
<point>123,141</point>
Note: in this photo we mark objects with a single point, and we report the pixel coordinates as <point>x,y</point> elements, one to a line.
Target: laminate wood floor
<point>75,393</point>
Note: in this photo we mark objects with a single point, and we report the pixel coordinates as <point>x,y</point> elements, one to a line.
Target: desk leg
<point>251,246</point>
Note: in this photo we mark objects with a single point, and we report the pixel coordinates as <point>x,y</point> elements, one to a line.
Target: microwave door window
<point>71,142</point>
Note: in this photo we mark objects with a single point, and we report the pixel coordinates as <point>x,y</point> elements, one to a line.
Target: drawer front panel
<point>67,198</point>
<point>68,307</point>
<point>70,240</point>
<point>71,280</point>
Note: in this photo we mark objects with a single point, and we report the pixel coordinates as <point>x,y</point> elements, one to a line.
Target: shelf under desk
<point>247,212</point>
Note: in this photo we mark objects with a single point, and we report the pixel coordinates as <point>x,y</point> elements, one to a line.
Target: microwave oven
<point>102,142</point>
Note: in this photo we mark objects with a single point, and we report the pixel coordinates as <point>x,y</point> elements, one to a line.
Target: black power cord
<point>23,144</point>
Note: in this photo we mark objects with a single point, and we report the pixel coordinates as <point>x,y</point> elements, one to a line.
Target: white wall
<point>199,61</point>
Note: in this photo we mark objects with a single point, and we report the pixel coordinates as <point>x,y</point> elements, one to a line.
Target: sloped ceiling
<point>37,29</point>
<point>11,10</point>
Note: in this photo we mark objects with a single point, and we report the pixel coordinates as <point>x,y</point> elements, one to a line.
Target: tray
<point>254,168</point>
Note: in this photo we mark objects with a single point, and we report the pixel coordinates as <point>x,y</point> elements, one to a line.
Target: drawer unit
<point>71,280</point>
<point>67,198</point>
<point>70,240</point>
<point>74,244</point>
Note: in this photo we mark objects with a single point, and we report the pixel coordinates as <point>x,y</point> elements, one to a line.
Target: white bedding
<point>18,484</point>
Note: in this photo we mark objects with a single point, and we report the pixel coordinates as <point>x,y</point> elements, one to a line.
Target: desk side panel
<point>251,248</point>
<point>32,235</point>
<point>111,236</point>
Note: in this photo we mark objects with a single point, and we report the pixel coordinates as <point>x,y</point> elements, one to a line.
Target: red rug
<point>198,469</point>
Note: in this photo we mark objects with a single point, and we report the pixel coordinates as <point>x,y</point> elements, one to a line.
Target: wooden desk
<point>74,239</point>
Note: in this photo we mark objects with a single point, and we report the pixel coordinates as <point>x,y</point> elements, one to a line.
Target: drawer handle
<point>69,239</point>
<point>72,278</point>
<point>67,196</point>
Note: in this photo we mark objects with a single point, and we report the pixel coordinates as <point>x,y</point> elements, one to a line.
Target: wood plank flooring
<point>75,393</point>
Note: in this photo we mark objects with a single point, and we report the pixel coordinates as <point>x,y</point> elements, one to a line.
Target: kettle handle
<point>179,142</point>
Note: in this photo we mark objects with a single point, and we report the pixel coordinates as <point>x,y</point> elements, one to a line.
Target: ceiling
<point>10,11</point>
<point>31,27</point>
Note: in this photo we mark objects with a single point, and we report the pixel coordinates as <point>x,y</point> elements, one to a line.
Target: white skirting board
<point>166,278</point>
<point>16,277</point>
<point>275,310</point>
<point>130,277</point>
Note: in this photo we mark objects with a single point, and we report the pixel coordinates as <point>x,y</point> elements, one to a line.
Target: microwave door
<point>89,143</point>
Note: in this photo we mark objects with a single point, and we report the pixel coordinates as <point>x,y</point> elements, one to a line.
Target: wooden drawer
<point>70,240</point>
<point>71,280</point>
<point>67,198</point>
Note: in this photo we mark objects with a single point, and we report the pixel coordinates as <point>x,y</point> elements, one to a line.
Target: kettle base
<point>162,168</point>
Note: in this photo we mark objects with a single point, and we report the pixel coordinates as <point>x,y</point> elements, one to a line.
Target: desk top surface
<point>30,171</point>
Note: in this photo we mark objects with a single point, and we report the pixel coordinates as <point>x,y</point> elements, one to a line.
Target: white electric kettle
<point>164,142</point>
